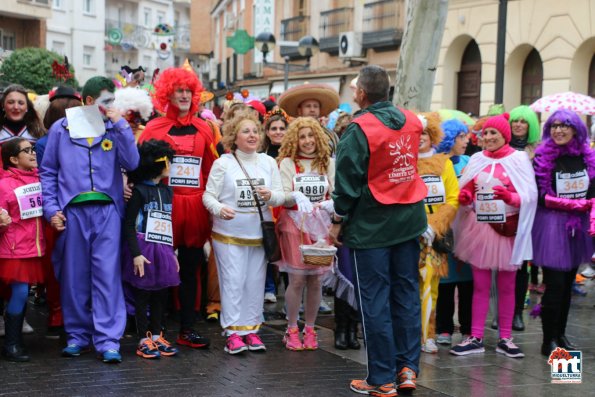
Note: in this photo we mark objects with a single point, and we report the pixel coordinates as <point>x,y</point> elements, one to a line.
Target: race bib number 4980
<point>185,171</point>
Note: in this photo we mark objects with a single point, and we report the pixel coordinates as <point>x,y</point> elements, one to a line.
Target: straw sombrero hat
<point>323,93</point>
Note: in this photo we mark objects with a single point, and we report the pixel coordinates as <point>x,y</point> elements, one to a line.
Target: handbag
<point>508,228</point>
<point>446,244</point>
<point>269,236</point>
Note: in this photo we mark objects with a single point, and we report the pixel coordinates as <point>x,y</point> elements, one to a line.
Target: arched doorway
<point>469,80</point>
<point>532,80</point>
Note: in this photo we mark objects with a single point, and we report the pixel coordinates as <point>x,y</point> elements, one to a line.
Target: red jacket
<point>23,238</point>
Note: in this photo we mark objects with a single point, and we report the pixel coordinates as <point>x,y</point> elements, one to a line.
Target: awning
<point>279,86</point>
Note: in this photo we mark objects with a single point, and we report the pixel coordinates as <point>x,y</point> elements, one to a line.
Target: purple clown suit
<point>82,178</point>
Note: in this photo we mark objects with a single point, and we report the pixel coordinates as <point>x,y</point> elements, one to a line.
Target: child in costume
<point>21,244</point>
<point>150,264</point>
<point>308,177</point>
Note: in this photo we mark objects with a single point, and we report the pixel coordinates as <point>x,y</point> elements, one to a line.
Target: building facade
<point>76,30</point>
<point>549,47</point>
<point>23,23</point>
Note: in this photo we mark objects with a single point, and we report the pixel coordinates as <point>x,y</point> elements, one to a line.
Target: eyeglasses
<point>564,127</point>
<point>28,150</point>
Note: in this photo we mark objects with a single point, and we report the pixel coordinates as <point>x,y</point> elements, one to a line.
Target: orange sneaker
<point>361,386</point>
<point>407,379</point>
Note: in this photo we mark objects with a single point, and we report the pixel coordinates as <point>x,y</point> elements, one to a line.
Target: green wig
<point>95,85</point>
<point>524,112</point>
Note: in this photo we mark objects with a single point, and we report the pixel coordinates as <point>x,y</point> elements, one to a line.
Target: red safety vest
<point>392,170</point>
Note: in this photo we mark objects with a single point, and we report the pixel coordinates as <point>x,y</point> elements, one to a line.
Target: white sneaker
<point>2,331</point>
<point>429,346</point>
<point>27,329</point>
<point>269,297</point>
<point>589,272</point>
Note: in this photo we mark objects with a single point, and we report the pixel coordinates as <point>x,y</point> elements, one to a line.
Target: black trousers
<point>345,315</point>
<point>191,259</point>
<point>154,302</point>
<point>555,303</point>
<point>521,285</point>
<point>445,307</point>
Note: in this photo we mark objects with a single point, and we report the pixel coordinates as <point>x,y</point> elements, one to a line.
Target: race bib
<point>244,196</point>
<point>185,171</point>
<point>436,190</point>
<point>572,184</point>
<point>488,209</point>
<point>29,199</point>
<point>314,187</point>
<point>159,229</point>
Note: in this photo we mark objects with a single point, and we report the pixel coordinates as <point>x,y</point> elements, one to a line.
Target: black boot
<point>521,284</point>
<point>13,348</point>
<point>517,322</point>
<point>352,336</point>
<point>548,347</point>
<point>564,343</point>
<point>341,335</point>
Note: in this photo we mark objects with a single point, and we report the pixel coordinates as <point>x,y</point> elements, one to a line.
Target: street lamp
<point>307,47</point>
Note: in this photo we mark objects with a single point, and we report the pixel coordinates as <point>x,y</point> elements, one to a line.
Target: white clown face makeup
<point>105,100</point>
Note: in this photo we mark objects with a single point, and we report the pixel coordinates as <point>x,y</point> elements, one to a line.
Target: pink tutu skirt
<point>478,244</point>
<point>290,239</point>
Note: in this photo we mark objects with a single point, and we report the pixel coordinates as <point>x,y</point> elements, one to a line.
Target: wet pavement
<point>279,372</point>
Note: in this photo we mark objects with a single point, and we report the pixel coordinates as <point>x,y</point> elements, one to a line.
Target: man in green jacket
<point>378,201</point>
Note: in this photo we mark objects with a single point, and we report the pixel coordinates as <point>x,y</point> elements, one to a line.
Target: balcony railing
<point>182,42</point>
<point>293,29</point>
<point>333,23</point>
<point>384,23</point>
<point>127,35</point>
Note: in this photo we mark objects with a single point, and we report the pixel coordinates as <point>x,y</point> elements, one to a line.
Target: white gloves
<point>429,235</point>
<point>303,203</point>
<point>328,206</point>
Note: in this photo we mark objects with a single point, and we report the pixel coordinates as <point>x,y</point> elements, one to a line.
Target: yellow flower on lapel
<point>107,145</point>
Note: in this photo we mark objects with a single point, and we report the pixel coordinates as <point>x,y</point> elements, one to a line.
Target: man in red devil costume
<point>177,96</point>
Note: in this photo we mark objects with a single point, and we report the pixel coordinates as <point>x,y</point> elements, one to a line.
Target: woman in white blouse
<point>237,234</point>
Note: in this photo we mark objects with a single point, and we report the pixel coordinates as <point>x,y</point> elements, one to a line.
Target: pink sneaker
<point>292,339</point>
<point>310,339</point>
<point>235,344</point>
<point>254,342</point>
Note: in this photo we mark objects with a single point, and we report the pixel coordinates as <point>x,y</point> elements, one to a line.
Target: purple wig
<point>548,151</point>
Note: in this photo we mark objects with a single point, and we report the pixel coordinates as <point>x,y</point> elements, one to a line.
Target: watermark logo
<point>567,366</point>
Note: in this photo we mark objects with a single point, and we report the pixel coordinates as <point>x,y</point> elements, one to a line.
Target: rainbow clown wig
<point>168,82</point>
<point>452,129</point>
<point>524,112</point>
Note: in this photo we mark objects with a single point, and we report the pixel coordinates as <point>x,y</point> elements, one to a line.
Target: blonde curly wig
<point>290,147</point>
<point>232,126</point>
